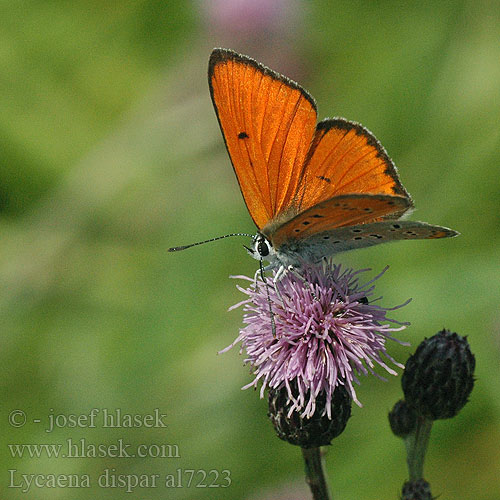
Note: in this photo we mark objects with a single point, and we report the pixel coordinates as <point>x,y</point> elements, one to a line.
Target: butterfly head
<point>262,248</point>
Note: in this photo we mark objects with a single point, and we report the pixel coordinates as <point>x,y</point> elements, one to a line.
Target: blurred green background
<point>111,153</point>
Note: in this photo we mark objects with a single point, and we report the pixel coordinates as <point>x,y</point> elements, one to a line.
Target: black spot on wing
<point>242,135</point>
<point>411,234</point>
<point>390,168</point>
<point>323,178</point>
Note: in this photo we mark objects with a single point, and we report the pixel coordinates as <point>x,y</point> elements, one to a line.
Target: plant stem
<point>315,476</point>
<point>416,447</point>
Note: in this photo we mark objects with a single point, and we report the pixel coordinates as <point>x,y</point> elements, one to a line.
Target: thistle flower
<point>327,332</point>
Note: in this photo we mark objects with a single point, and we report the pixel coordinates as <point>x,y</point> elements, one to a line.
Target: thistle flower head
<point>327,332</point>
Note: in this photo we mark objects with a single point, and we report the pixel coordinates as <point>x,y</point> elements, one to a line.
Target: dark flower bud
<point>402,419</point>
<point>419,489</point>
<point>439,377</point>
<point>319,429</point>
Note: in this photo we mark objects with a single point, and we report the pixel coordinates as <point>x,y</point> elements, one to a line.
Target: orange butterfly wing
<point>337,212</point>
<point>268,123</point>
<point>346,158</point>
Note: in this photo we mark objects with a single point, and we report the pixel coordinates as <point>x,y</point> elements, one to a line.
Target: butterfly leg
<point>264,280</point>
<point>279,273</point>
<point>282,270</point>
<point>259,271</point>
<point>278,276</point>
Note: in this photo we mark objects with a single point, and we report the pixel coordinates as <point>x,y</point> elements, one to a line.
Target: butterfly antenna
<point>183,247</point>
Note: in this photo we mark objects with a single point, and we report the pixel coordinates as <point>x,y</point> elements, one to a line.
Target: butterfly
<point>312,188</point>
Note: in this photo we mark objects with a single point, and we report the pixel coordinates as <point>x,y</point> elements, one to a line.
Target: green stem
<point>315,476</point>
<point>416,447</point>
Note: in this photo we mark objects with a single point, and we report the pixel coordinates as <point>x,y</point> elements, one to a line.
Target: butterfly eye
<point>263,248</point>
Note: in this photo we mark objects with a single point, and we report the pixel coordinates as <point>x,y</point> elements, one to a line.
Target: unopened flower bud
<point>439,377</point>
<point>319,429</point>
<point>402,419</point>
<point>419,489</point>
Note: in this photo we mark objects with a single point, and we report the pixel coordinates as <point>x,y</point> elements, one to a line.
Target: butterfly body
<point>312,188</point>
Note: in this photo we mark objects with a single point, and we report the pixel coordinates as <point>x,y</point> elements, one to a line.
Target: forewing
<point>268,122</point>
<point>346,158</point>
<point>320,245</point>
<point>340,211</point>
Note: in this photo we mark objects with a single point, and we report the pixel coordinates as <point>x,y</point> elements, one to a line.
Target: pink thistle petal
<point>327,333</point>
